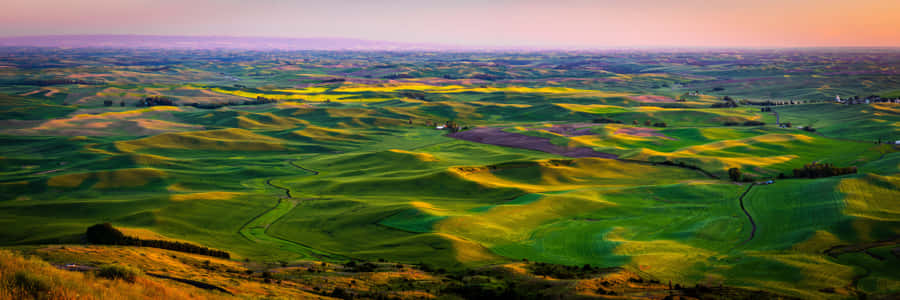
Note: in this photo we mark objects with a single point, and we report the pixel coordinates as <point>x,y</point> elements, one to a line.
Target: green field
<point>354,169</point>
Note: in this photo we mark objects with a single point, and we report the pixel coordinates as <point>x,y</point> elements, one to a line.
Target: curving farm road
<point>256,230</point>
<point>752,223</point>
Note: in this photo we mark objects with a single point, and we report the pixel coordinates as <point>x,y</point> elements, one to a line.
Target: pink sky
<point>561,23</point>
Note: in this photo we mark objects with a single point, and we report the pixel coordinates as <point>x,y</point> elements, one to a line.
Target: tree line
<point>156,101</point>
<point>817,170</point>
<point>106,234</point>
<point>259,100</point>
<point>747,123</point>
<point>61,81</point>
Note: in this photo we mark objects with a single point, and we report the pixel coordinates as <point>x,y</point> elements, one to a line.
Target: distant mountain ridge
<point>211,42</point>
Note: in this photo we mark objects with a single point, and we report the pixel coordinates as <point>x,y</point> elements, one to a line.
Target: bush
<point>731,123</point>
<point>32,284</point>
<point>660,124</point>
<point>114,272</point>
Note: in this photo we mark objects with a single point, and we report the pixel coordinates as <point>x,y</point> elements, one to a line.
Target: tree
<point>104,234</point>
<point>734,174</point>
<point>635,122</point>
<point>107,102</point>
<point>647,123</point>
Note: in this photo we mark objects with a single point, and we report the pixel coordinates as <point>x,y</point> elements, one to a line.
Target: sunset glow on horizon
<point>565,23</point>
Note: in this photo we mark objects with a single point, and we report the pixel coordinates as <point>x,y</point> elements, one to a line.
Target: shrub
<point>731,123</point>
<point>114,272</point>
<point>32,284</point>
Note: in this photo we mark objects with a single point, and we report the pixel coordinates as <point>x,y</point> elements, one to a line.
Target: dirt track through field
<point>256,229</point>
<point>752,223</point>
<point>496,136</point>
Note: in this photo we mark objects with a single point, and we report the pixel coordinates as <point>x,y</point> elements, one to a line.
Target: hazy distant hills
<point>210,42</point>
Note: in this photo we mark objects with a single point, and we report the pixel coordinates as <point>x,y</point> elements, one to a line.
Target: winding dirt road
<point>752,223</point>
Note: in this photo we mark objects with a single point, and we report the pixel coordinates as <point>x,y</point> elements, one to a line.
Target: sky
<point>506,23</point>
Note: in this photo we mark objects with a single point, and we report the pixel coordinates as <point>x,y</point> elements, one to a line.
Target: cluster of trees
<point>734,174</point>
<point>106,234</point>
<point>156,101</point>
<point>727,102</point>
<point>766,109</point>
<point>417,95</point>
<point>746,123</point>
<point>606,120</point>
<point>259,100</point>
<point>563,271</point>
<point>453,127</point>
<point>488,77</point>
<point>398,76</point>
<point>809,128</point>
<point>360,268</point>
<point>333,80</point>
<point>817,170</point>
<point>110,103</point>
<point>60,81</point>
<point>870,99</point>
<point>754,123</point>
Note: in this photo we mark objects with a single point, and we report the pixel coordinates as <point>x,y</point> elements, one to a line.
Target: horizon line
<point>440,46</point>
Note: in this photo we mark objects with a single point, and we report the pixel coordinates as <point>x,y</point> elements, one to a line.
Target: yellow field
<point>269,121</point>
<point>872,197</point>
<point>109,179</point>
<point>224,140</point>
<point>418,155</point>
<point>556,176</point>
<point>513,223</point>
<point>461,89</point>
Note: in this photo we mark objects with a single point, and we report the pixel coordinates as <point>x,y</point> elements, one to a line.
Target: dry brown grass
<point>228,274</point>
<point>32,278</point>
